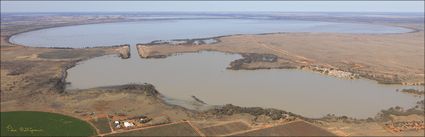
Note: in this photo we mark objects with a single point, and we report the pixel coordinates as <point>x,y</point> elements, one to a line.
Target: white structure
<point>128,124</point>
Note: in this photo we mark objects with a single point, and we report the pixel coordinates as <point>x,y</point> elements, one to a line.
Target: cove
<point>204,75</point>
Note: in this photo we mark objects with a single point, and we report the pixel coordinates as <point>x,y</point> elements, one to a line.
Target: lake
<point>143,32</point>
<point>204,74</point>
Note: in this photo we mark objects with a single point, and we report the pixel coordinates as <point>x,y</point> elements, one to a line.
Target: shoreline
<point>190,41</point>
<point>322,69</point>
<point>184,105</point>
<point>69,112</point>
<point>413,30</point>
<point>216,38</point>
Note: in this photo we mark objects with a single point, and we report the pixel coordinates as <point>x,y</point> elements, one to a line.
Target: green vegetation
<point>31,123</point>
<point>102,124</point>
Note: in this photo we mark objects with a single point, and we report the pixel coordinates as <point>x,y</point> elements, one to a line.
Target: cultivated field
<point>32,79</point>
<point>179,129</point>
<point>224,129</point>
<point>102,124</point>
<point>297,128</point>
<point>31,123</point>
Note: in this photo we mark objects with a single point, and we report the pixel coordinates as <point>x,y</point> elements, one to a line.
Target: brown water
<point>204,76</point>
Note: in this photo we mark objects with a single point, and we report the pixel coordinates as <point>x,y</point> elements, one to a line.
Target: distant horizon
<point>212,6</point>
<point>217,11</point>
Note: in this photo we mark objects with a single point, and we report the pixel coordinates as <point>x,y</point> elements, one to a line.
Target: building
<point>128,124</point>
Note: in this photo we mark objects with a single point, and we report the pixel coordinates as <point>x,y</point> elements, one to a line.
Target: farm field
<point>224,129</point>
<point>102,124</point>
<point>179,129</point>
<point>297,128</point>
<point>32,123</point>
<point>183,71</point>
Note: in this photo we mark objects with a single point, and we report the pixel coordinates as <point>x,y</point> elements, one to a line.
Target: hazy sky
<point>327,6</point>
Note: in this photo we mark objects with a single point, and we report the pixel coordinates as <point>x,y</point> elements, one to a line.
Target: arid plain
<point>33,78</point>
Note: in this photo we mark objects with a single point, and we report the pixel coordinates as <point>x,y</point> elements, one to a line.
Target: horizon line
<point>214,11</point>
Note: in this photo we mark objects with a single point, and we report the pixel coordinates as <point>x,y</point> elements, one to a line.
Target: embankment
<point>124,51</point>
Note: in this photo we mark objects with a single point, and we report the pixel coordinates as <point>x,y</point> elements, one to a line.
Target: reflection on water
<point>204,75</point>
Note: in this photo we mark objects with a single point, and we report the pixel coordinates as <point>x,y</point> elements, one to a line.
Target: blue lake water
<point>142,32</point>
